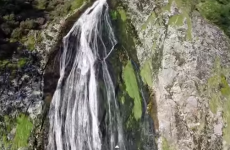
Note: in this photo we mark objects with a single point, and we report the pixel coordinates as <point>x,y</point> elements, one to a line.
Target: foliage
<point>76,4</point>
<point>17,33</point>
<point>113,14</point>
<point>41,4</point>
<point>218,91</point>
<point>28,24</point>
<point>218,12</point>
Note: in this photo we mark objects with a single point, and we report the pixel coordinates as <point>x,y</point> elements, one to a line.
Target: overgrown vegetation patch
<point>14,138</point>
<point>217,11</point>
<point>133,89</point>
<point>218,91</point>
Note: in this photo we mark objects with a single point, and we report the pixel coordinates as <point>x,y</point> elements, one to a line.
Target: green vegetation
<point>22,62</point>
<point>127,36</point>
<point>186,8</point>
<point>165,145</point>
<point>19,19</point>
<point>132,89</point>
<point>177,20</point>
<point>114,14</point>
<point>146,73</point>
<point>122,14</point>
<point>76,4</point>
<point>217,11</point>
<point>13,66</point>
<point>31,42</point>
<point>168,6</point>
<point>3,63</point>
<point>23,130</point>
<point>218,91</point>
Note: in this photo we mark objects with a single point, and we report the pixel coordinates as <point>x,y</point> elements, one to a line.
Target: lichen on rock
<point>179,69</point>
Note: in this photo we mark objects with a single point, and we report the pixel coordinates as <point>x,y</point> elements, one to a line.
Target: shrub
<point>9,17</point>
<point>28,24</point>
<point>41,4</point>
<point>218,12</point>
<point>17,33</point>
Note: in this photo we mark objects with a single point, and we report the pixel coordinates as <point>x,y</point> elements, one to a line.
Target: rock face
<point>170,65</point>
<point>187,62</point>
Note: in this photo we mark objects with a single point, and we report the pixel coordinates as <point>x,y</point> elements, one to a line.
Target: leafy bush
<point>41,4</point>
<point>28,24</point>
<point>218,12</point>
<point>9,17</point>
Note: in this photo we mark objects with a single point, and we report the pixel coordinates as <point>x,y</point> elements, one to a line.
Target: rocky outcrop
<point>170,66</point>
<point>184,59</point>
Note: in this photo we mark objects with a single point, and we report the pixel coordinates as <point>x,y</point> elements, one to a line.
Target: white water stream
<point>74,123</point>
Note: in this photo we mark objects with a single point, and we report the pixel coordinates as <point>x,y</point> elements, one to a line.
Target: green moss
<point>3,63</point>
<point>189,30</point>
<point>165,144</point>
<point>31,43</point>
<point>218,91</point>
<point>176,20</point>
<point>13,65</point>
<point>225,91</point>
<point>186,8</point>
<point>122,13</point>
<point>129,123</point>
<point>146,73</point>
<point>22,62</point>
<point>214,102</point>
<point>127,36</point>
<point>114,14</point>
<point>77,4</point>
<point>23,129</point>
<point>132,89</point>
<point>226,116</point>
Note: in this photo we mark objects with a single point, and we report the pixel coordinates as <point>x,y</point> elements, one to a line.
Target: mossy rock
<point>22,126</point>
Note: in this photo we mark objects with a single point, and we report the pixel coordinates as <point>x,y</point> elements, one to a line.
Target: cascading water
<point>74,123</point>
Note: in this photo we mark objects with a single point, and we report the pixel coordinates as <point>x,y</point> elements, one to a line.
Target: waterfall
<point>74,123</point>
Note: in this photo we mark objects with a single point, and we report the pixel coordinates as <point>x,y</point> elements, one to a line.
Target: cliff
<point>170,69</point>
